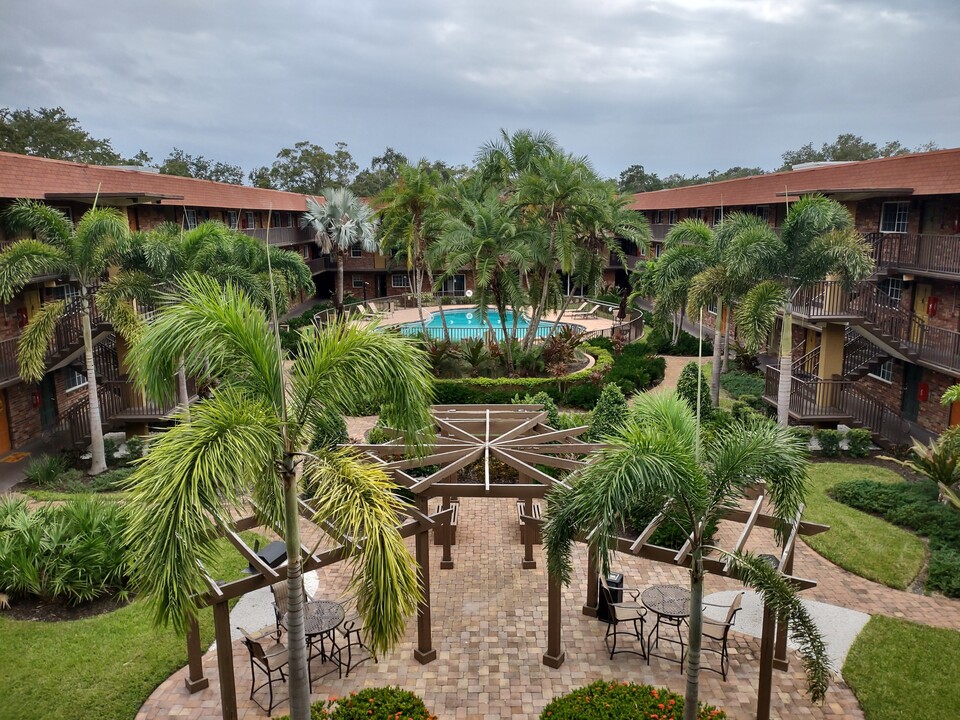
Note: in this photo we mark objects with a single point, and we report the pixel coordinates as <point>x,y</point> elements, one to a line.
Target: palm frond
<point>32,216</point>
<point>841,253</point>
<point>757,312</point>
<point>115,299</point>
<point>690,232</point>
<point>184,488</point>
<point>35,339</point>
<point>26,259</point>
<point>97,240</point>
<point>357,498</point>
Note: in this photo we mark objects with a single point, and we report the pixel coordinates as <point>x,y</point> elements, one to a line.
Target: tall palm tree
<point>411,221</point>
<point>487,238</point>
<point>817,241</point>
<point>84,253</point>
<point>658,457</point>
<point>153,263</point>
<point>501,162</point>
<point>244,444</point>
<point>344,221</point>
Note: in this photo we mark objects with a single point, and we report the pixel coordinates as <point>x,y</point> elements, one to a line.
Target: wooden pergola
<point>517,436</point>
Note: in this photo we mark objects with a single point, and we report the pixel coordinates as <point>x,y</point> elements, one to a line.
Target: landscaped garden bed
<point>612,700</point>
<point>382,703</point>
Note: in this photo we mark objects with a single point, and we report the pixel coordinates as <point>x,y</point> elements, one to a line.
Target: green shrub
<point>803,432</point>
<point>602,342</point>
<point>541,398</point>
<point>755,403</point>
<point>383,703</point>
<point>658,338</point>
<point>610,412</point>
<point>582,396</point>
<point>829,442</point>
<point>739,383</point>
<point>110,448</point>
<point>672,532</point>
<point>331,430</point>
<point>609,700</point>
<point>944,571</point>
<point>110,481</point>
<point>72,552</point>
<point>691,378</point>
<point>573,419</point>
<point>859,442</point>
<point>743,412</point>
<point>46,470</point>
<point>136,446</point>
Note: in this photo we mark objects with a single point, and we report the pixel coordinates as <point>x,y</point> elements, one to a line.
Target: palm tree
<point>487,238</point>
<point>692,243</point>
<point>658,457</point>
<point>243,445</point>
<point>817,240</point>
<point>411,221</point>
<point>344,221</point>
<point>84,253</point>
<point>153,264</point>
<point>502,161</point>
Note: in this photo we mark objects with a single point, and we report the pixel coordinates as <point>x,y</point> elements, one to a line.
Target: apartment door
<point>48,402</point>
<point>4,424</point>
<point>921,296</point>
<point>955,413</point>
<point>911,387</point>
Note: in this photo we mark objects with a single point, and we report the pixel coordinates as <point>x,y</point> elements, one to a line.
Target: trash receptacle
<point>615,583</point>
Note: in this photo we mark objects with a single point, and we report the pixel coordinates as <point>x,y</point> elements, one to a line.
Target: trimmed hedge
<point>739,383</point>
<point>610,700</point>
<point>914,506</point>
<point>383,703</point>
<point>659,341</point>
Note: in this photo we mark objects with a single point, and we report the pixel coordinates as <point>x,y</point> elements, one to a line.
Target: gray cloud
<point>678,85</point>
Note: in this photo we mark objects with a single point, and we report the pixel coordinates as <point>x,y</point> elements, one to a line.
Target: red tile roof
<point>931,173</point>
<point>22,176</point>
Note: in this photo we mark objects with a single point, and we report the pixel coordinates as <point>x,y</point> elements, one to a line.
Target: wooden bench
<point>454,516</point>
<point>535,514</point>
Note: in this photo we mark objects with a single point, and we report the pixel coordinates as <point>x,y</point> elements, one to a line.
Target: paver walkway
<point>490,633</point>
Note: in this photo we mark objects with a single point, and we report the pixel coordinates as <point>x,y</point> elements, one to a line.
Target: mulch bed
<point>35,610</point>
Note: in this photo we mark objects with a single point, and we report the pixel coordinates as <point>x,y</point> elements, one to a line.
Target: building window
<point>356,251</point>
<point>190,219</point>
<point>67,213</point>
<point>712,307</point>
<point>672,217</point>
<point>73,380</point>
<point>233,219</point>
<point>657,217</point>
<point>699,213</point>
<point>717,216</point>
<point>893,218</point>
<point>399,280</point>
<point>659,249</point>
<point>249,220</point>
<point>357,281</point>
<point>763,212</point>
<point>893,289</point>
<point>884,372</point>
<point>68,292</point>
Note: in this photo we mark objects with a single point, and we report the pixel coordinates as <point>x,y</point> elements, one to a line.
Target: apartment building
<point>882,355</point>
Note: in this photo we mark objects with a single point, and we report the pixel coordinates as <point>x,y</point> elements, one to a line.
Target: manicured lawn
<point>863,544</point>
<point>903,671</point>
<point>103,667</point>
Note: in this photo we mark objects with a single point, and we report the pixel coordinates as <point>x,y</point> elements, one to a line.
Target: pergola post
<point>591,606</point>
<point>425,652</point>
<point>554,656</point>
<point>228,689</point>
<point>195,681</point>
<point>767,639</point>
<point>446,562</point>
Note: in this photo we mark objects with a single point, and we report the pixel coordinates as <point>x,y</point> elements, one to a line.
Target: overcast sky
<point>675,85</point>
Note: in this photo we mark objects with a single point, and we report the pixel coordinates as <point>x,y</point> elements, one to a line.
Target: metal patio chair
<point>269,657</point>
<point>715,635</point>
<point>630,614</point>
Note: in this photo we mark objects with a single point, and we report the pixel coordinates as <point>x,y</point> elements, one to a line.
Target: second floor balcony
<point>931,255</point>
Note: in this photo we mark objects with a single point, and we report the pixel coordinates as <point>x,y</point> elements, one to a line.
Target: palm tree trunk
<point>726,343</point>
<point>443,316</point>
<point>299,673</point>
<point>695,638</point>
<point>715,370</point>
<point>418,281</point>
<point>786,366</point>
<point>339,302</point>
<point>507,339</point>
<point>544,291</point>
<point>98,462</point>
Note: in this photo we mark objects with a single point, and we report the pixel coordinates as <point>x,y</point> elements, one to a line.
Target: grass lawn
<point>863,544</point>
<point>901,671</point>
<point>102,667</point>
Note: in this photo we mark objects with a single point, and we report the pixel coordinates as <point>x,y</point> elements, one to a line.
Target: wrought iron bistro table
<point>671,605</point>
<point>320,619</point>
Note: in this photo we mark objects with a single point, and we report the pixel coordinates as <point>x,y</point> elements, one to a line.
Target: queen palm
<point>487,238</point>
<point>243,445</point>
<point>83,253</point>
<point>344,221</point>
<point>154,262</point>
<point>411,221</point>
<point>817,241</point>
<point>658,458</point>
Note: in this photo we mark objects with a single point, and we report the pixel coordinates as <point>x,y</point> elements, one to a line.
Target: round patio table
<point>671,604</point>
<point>320,619</point>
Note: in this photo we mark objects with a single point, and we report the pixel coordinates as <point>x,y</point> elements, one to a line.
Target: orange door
<point>4,424</point>
<point>954,414</point>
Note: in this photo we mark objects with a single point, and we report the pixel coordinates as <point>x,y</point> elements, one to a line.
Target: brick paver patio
<point>489,629</point>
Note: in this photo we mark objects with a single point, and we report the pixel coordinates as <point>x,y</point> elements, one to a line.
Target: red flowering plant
<point>610,700</point>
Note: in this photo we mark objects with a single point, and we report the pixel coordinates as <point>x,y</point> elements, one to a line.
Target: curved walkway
<point>490,633</point>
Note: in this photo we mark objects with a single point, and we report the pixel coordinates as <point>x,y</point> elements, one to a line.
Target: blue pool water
<point>467,324</point>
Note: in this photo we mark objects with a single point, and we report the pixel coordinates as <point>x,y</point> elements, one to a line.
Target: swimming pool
<point>467,324</point>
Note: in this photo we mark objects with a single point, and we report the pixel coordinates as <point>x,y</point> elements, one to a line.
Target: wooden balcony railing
<point>9,369</point>
<point>282,235</point>
<point>937,254</point>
